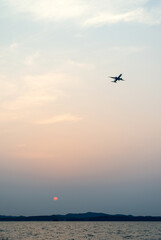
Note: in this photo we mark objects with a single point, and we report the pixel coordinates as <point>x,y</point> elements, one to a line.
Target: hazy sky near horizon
<point>66,129</point>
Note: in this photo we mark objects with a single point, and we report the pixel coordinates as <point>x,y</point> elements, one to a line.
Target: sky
<point>66,130</point>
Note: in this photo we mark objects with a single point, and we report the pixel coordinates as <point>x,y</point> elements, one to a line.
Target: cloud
<point>111,18</point>
<point>7,51</point>
<point>14,45</point>
<point>78,65</point>
<point>126,49</point>
<point>30,60</point>
<point>60,118</point>
<point>20,100</point>
<point>28,97</point>
<point>138,15</point>
<point>32,91</point>
<point>50,9</point>
<point>91,13</point>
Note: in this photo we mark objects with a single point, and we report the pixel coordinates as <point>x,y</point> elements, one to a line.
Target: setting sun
<point>55,198</point>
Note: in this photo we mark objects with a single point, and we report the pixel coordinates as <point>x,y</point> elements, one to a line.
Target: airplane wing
<point>115,81</point>
<point>113,77</point>
<point>119,75</point>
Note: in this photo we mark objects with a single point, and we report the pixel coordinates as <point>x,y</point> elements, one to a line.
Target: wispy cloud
<point>139,15</point>
<point>22,99</point>
<point>60,118</point>
<point>78,65</point>
<point>32,95</point>
<point>91,13</point>
<point>51,9</point>
<point>30,92</point>
<point>110,18</point>
<point>30,60</point>
<point>126,49</point>
<point>14,45</point>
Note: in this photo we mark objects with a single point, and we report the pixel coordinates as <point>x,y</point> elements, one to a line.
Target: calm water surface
<point>80,230</point>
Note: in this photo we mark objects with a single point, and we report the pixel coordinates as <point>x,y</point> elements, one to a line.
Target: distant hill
<point>89,216</point>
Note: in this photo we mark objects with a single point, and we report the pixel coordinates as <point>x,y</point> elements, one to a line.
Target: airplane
<point>119,78</point>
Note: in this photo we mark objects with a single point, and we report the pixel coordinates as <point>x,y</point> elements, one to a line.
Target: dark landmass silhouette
<point>89,216</point>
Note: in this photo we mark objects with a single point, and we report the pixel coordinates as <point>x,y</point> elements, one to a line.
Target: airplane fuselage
<point>119,78</point>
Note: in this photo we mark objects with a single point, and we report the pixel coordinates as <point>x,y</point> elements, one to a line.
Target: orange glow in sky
<point>55,198</point>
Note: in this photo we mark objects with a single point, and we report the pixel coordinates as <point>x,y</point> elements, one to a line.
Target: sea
<point>80,230</point>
